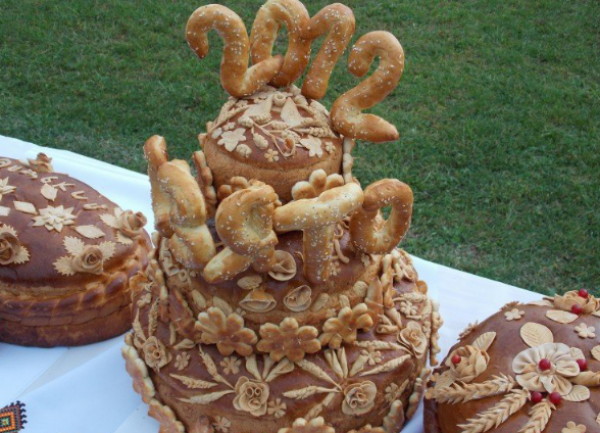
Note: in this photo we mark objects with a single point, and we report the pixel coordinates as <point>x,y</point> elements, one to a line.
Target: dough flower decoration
<point>12,252</point>
<point>359,398</point>
<point>82,258</point>
<point>547,367</point>
<point>41,164</point>
<point>251,396</point>
<point>129,224</point>
<point>345,326</point>
<point>546,373</point>
<point>413,337</point>
<point>155,353</point>
<point>288,339</point>
<point>572,427</point>
<point>467,362</point>
<point>577,302</point>
<point>54,218</point>
<point>227,332</point>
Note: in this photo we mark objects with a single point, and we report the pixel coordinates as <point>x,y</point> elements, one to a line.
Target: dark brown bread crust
<point>508,343</point>
<point>66,256</point>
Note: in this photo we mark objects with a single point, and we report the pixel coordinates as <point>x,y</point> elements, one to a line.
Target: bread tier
<point>272,132</point>
<point>357,287</point>
<point>372,382</point>
<point>66,255</point>
<point>528,368</point>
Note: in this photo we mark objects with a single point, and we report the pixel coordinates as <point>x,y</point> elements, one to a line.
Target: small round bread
<point>66,256</point>
<point>272,132</point>
<point>531,368</point>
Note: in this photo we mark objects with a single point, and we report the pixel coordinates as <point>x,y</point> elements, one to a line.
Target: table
<point>87,390</point>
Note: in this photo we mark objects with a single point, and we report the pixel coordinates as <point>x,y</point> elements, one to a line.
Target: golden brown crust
<point>491,387</point>
<point>368,233</point>
<point>317,218</point>
<point>372,380</point>
<point>272,132</point>
<point>346,111</point>
<point>297,322</point>
<point>264,33</point>
<point>236,77</point>
<point>179,206</point>
<point>337,21</point>
<point>66,254</point>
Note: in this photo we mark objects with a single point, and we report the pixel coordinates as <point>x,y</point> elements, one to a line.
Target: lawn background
<point>498,111</point>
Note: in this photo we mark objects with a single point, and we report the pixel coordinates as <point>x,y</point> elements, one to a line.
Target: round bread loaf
<point>270,132</point>
<point>529,368</point>
<point>66,256</point>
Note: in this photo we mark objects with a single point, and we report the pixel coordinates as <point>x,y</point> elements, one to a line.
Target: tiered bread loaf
<point>66,256</point>
<point>276,300</point>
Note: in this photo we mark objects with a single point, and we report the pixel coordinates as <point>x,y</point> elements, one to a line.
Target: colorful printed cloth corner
<point>12,418</point>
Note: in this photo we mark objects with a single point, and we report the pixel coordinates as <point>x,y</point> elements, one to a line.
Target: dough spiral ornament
<point>337,21</point>
<point>236,78</point>
<point>179,206</point>
<point>367,233</point>
<point>264,33</point>
<point>244,221</point>
<point>346,111</point>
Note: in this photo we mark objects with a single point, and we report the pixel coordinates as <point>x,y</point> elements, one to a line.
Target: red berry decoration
<point>583,293</point>
<point>582,364</point>
<point>555,398</point>
<point>455,359</point>
<point>577,309</point>
<point>536,397</point>
<point>545,364</point>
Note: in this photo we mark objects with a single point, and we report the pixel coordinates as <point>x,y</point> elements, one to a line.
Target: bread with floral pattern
<point>529,368</point>
<point>296,313</point>
<point>66,256</point>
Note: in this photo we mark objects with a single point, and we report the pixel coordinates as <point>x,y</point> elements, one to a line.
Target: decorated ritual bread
<point>276,300</point>
<point>66,256</point>
<point>530,368</point>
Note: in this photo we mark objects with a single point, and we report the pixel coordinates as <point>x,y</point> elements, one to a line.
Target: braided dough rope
<point>317,218</point>
<point>366,231</point>
<point>179,206</point>
<point>244,221</point>
<point>236,78</point>
<point>264,32</point>
<point>337,20</point>
<point>346,111</point>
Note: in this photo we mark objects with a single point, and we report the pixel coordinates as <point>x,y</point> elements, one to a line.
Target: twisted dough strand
<point>237,79</point>
<point>346,111</point>
<point>337,20</point>
<point>264,33</point>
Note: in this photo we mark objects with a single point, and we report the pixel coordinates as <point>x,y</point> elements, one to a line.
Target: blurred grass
<point>498,110</point>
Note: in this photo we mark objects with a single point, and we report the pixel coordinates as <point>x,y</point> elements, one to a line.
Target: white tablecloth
<point>87,390</point>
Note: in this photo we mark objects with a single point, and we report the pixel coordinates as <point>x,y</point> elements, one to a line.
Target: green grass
<point>498,110</point>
